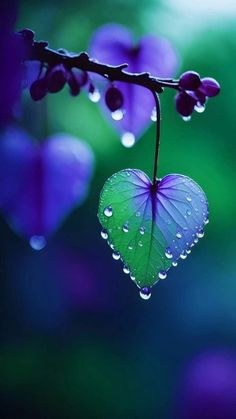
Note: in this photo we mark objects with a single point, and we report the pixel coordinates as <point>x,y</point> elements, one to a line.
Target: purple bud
<point>76,79</point>
<point>210,87</point>
<point>197,96</point>
<point>184,104</point>
<point>114,99</point>
<point>56,78</point>
<point>190,80</point>
<point>38,89</point>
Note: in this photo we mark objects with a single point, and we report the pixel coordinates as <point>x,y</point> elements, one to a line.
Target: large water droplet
<point>104,234</point>
<point>108,211</point>
<point>162,274</point>
<point>94,96</point>
<point>128,139</point>
<point>125,228</point>
<point>116,255</point>
<point>142,230</point>
<point>199,107</point>
<point>117,115</point>
<point>126,270</point>
<point>168,253</point>
<point>178,235</point>
<point>37,242</point>
<point>186,118</point>
<point>200,234</point>
<point>145,293</point>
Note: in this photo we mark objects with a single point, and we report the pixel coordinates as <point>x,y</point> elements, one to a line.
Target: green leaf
<point>151,228</point>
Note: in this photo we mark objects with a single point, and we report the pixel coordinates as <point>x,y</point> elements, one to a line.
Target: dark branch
<point>41,52</point>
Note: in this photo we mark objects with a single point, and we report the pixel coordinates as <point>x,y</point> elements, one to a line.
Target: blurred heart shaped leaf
<point>148,227</point>
<point>115,45</point>
<point>41,183</point>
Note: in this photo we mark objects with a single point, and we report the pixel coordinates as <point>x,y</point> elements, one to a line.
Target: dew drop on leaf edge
<point>145,293</point>
<point>108,211</point>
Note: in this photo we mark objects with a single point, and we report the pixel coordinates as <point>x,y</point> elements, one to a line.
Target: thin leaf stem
<point>157,144</point>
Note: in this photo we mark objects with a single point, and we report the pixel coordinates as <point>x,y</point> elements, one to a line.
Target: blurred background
<point>76,339</point>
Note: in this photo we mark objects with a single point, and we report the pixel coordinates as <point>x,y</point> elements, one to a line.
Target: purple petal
<point>184,104</point>
<point>210,87</point>
<point>42,183</point>
<point>190,80</point>
<point>113,44</point>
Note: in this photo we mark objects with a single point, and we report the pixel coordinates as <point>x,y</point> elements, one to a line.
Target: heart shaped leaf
<point>114,44</point>
<point>41,183</point>
<point>148,227</point>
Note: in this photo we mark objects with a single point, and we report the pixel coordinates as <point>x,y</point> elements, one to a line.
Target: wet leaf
<point>150,229</point>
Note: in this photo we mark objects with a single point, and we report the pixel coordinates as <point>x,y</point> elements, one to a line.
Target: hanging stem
<point>158,123</point>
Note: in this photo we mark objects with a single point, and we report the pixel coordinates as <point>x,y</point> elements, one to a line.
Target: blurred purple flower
<point>12,50</point>
<point>113,44</point>
<point>209,388</point>
<point>41,183</point>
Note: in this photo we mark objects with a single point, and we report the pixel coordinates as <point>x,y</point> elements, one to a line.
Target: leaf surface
<point>151,229</point>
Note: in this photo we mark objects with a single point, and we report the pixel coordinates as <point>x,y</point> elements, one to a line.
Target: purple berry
<point>184,104</point>
<point>114,99</point>
<point>210,87</point>
<point>57,78</point>
<point>38,89</point>
<point>190,80</point>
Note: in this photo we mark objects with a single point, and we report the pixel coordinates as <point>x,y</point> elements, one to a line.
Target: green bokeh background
<point>124,359</point>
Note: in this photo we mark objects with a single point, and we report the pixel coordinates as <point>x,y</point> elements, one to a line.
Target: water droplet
<point>154,115</point>
<point>142,230</point>
<point>189,199</point>
<point>200,234</point>
<point>140,243</point>
<point>132,277</point>
<point>128,139</point>
<point>145,293</point>
<point>126,269</point>
<point>130,247</point>
<point>168,253</point>
<point>108,211</point>
<point>125,228</point>
<point>104,234</point>
<point>188,212</point>
<point>183,255</point>
<point>94,96</point>
<point>174,263</point>
<point>137,214</point>
<point>206,221</point>
<point>128,173</point>
<point>195,241</point>
<point>162,274</point>
<point>188,251</point>
<point>116,255</point>
<point>37,242</point>
<point>186,118</point>
<point>117,115</point>
<point>178,235</point>
<point>199,107</point>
